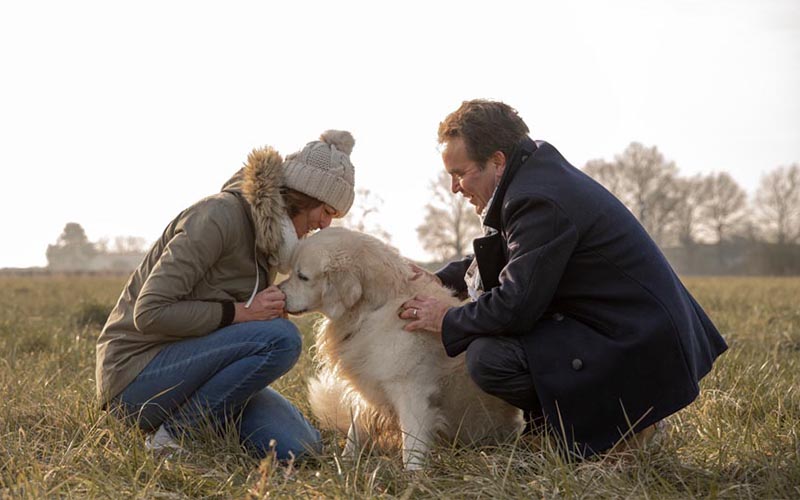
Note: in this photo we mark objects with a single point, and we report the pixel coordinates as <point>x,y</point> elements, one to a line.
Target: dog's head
<point>325,275</point>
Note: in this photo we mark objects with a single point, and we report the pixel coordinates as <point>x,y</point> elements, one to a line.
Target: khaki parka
<point>223,248</point>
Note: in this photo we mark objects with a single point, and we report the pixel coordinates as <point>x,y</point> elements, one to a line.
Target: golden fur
<point>375,378</point>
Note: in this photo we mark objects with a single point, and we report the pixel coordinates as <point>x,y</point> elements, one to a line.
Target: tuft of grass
<point>91,314</point>
<point>738,440</point>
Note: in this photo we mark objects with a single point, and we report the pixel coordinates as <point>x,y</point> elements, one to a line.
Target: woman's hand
<point>425,313</point>
<point>269,303</point>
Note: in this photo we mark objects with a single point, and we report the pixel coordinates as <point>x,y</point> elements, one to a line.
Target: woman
<point>199,331</point>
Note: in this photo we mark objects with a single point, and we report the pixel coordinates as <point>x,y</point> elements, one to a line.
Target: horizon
<point>141,115</point>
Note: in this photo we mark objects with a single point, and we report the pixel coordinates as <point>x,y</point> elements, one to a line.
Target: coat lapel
<point>490,251</point>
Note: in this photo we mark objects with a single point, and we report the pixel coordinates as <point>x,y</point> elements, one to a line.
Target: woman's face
<point>312,219</point>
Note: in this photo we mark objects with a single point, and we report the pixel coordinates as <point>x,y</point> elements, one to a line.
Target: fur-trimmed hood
<point>259,183</point>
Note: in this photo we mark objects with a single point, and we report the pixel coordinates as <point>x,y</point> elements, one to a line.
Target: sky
<point>118,115</point>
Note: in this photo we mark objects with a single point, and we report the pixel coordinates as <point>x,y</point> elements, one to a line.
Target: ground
<point>739,439</point>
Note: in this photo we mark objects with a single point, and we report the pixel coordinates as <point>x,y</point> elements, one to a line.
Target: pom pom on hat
<point>322,170</point>
<point>342,139</point>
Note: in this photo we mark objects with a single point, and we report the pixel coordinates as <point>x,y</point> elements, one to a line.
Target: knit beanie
<point>322,170</point>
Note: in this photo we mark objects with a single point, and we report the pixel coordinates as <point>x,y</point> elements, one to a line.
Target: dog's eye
<point>302,277</point>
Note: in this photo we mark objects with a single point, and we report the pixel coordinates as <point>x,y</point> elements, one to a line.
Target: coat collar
<point>259,184</point>
<point>522,151</point>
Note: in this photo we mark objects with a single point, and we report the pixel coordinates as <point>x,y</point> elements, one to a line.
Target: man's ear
<point>498,161</point>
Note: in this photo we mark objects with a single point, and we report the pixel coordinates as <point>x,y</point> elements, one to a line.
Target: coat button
<point>558,316</point>
<point>577,364</point>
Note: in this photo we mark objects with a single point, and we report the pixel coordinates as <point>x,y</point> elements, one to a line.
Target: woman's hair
<point>297,201</point>
<point>486,127</point>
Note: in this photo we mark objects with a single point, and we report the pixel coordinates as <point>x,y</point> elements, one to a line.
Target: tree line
<point>73,251</point>
<point>705,224</point>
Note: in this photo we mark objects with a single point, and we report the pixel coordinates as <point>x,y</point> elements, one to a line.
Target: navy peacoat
<point>613,339</point>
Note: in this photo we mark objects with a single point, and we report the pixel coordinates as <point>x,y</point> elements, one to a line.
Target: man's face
<point>466,176</point>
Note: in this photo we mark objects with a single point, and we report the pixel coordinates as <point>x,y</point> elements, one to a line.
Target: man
<point>576,317</point>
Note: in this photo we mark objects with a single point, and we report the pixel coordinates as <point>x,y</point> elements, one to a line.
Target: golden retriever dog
<point>371,370</point>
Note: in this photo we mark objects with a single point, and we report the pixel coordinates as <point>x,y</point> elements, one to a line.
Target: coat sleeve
<point>540,240</point>
<point>163,306</point>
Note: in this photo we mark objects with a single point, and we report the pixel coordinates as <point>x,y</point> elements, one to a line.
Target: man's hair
<point>297,201</point>
<point>486,127</point>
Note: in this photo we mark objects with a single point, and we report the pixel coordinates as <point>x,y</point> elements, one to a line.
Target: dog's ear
<point>342,291</point>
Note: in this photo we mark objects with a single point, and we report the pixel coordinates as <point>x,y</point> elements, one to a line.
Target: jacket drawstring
<point>255,288</point>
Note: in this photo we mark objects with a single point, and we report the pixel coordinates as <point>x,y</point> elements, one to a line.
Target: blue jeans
<point>224,376</point>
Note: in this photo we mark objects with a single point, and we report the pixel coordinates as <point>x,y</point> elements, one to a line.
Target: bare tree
<point>362,216</point>
<point>645,182</point>
<point>101,245</point>
<point>450,222</point>
<point>608,174</point>
<point>778,204</point>
<point>722,208</point>
<point>687,211</point>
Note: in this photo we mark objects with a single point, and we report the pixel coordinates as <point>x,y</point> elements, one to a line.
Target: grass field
<point>738,440</point>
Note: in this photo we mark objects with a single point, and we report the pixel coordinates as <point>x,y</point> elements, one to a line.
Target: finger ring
<point>415,312</point>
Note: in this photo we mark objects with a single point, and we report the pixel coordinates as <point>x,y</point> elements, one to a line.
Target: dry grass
<point>739,439</point>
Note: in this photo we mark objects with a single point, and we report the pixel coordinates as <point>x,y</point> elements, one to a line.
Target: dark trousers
<point>499,366</point>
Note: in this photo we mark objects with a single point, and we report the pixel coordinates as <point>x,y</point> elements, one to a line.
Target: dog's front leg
<point>417,424</point>
<point>353,442</point>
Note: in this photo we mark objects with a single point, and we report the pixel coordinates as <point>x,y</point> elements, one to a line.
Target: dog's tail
<point>337,406</point>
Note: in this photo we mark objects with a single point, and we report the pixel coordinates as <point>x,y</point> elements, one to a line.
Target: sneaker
<point>161,442</point>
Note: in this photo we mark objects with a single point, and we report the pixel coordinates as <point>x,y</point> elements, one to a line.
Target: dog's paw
<point>349,451</point>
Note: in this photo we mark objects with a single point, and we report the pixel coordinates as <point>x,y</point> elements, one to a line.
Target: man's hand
<point>425,313</point>
<point>269,303</point>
